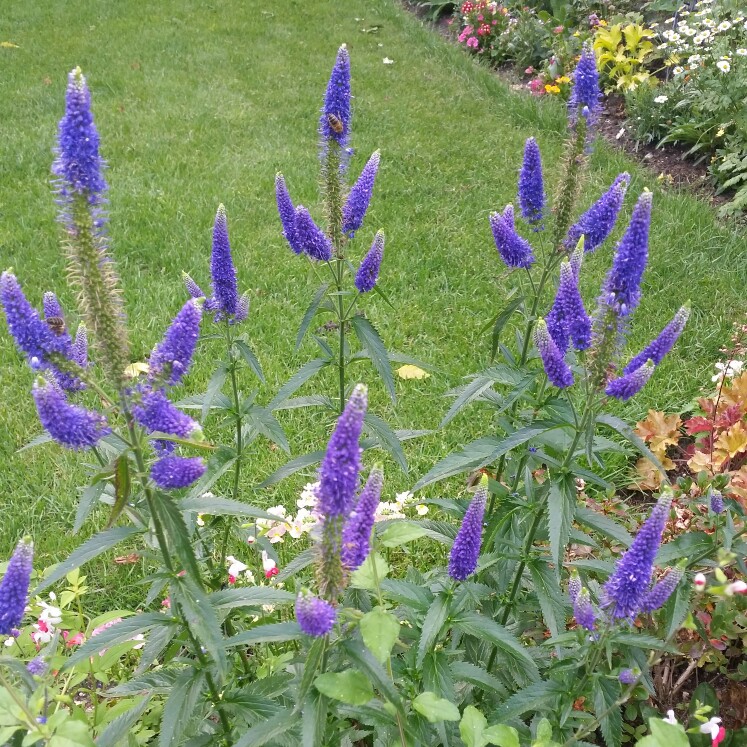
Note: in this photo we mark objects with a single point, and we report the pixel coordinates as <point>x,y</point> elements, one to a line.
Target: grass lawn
<point>200,103</point>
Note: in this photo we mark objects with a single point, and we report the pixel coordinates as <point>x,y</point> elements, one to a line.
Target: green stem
<point>341,321</point>
<point>31,723</point>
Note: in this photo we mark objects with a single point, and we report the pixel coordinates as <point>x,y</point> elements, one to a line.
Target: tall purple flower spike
<point>531,186</point>
<point>583,610</point>
<point>368,272</point>
<point>596,224</point>
<point>356,534</point>
<point>663,343</point>
<point>626,588</point>
<point>585,93</point>
<point>515,251</point>
<point>568,319</point>
<point>557,370</point>
<point>70,425</point>
<point>338,474</point>
<point>14,588</point>
<point>156,413</point>
<point>621,289</point>
<point>630,384</point>
<point>466,548</point>
<point>315,616</point>
<point>356,205</point>
<point>222,270</point>
<point>334,123</point>
<point>287,213</point>
<point>311,239</point>
<point>172,357</point>
<point>173,472</point>
<point>661,591</point>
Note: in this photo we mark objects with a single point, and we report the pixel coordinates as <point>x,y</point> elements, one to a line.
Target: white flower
<point>386,510</point>
<point>308,495</point>
<point>387,61</point>
<point>422,509</point>
<point>711,727</point>
<point>709,23</point>
<point>268,564</point>
<point>724,26</point>
<point>49,614</point>
<point>200,520</point>
<point>403,498</point>
<point>663,46</point>
<point>9,641</point>
<point>661,99</point>
<point>699,581</point>
<point>730,369</point>
<point>670,719</point>
<point>735,587</point>
<point>235,567</point>
<point>620,133</point>
<point>693,59</point>
<point>268,608</point>
<point>678,70</point>
<point>742,52</point>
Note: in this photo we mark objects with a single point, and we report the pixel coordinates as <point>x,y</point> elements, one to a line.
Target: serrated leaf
<point>42,438</point>
<point>249,596</point>
<point>216,506</point>
<point>537,697</point>
<point>310,314</point>
<point>71,733</point>
<point>90,549</point>
<point>606,692</point>
<point>500,323</point>
<point>437,675</point>
<point>365,578</point>
<point>549,595</point>
<point>264,732</point>
<point>435,709</point>
<point>468,394</point>
<point>303,560</point>
<point>664,734</point>
<point>264,421</point>
<point>560,512</point>
<point>400,533</point>
<point>274,633</point>
<point>364,660</point>
<point>463,671</point>
<point>218,464</point>
<point>311,663</point>
<point>213,389</point>
<point>122,487</point>
<point>297,381</point>
<point>314,722</point>
<point>88,499</point>
<point>609,528</point>
<point>251,360</point>
<point>179,708</point>
<point>621,427</point>
<point>176,531</point>
<point>121,725</point>
<point>434,621</point>
<point>379,630</point>
<point>387,438</point>
<point>407,593</point>
<point>351,686</point>
<point>369,338</point>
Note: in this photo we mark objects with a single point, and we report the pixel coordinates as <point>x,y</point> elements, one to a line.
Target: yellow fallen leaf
<point>135,369</point>
<point>409,371</point>
<point>733,440</point>
<point>9,45</point>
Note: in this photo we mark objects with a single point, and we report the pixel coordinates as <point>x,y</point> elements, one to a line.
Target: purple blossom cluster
<point>557,370</point>
<point>172,357</point>
<point>466,548</point>
<point>568,320</point>
<point>628,385</point>
<point>359,197</point>
<point>586,95</point>
<point>14,588</point>
<point>310,238</point>
<point>315,616</point>
<point>514,250</point>
<point>663,343</point>
<point>334,123</point>
<point>531,195</point>
<point>356,533</point>
<point>368,272</point>
<point>174,472</point>
<point>222,270</point>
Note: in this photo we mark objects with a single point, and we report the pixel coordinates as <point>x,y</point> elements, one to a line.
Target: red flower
<point>719,737</point>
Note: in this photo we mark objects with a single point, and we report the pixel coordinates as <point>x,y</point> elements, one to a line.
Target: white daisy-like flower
<point>709,23</point>
<point>742,51</point>
<point>724,26</point>
<point>678,70</point>
<point>693,59</point>
<point>724,66</point>
<point>661,99</point>
<point>422,509</point>
<point>308,495</point>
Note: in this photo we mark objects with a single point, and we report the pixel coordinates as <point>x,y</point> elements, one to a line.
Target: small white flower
<point>730,369</point>
<point>387,61</point>
<point>235,567</point>
<point>709,23</point>
<point>699,581</point>
<point>268,608</point>
<point>664,45</point>
<point>268,564</point>
<point>670,719</point>
<point>693,59</point>
<point>308,495</point>
<point>742,51</point>
<point>49,614</point>
<point>735,587</point>
<point>678,70</point>
<point>711,727</point>
<point>9,641</point>
<point>620,133</point>
<point>200,520</point>
<point>404,497</point>
<point>661,99</point>
<point>724,26</point>
<point>422,509</point>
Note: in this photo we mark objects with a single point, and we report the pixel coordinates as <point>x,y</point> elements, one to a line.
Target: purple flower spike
<point>311,239</point>
<point>630,384</point>
<point>334,124</point>
<point>583,610</point>
<point>315,616</point>
<point>585,92</point>
<point>171,358</point>
<point>193,289</point>
<point>80,346</point>
<point>627,586</point>
<point>515,251</point>
<point>717,502</point>
<point>568,319</point>
<point>338,474</point>
<point>52,306</point>
<point>157,414</point>
<point>557,370</point>
<point>466,548</point>
<point>596,224</point>
<point>621,290</point>
<point>574,586</point>
<point>37,667</point>
<point>368,272</point>
<point>32,335</point>
<point>243,311</point>
<point>356,205</point>
<point>287,213</point>
<point>627,676</point>
<point>222,269</point>
<point>70,425</point>
<point>173,472</point>
<point>531,187</point>
<point>79,165</point>
<point>662,590</point>
<point>14,588</point>
<point>658,348</point>
<point>356,534</point>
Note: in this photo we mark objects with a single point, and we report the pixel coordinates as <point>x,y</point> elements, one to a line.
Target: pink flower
<point>536,86</point>
<point>472,42</point>
<point>699,581</point>
<point>529,71</point>
<point>736,587</point>
<point>166,604</point>
<point>494,22</point>
<point>719,737</point>
<point>558,30</point>
<point>480,17</point>
<point>105,626</point>
<point>75,640</point>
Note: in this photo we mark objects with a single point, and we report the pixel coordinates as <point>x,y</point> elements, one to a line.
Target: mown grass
<point>200,103</point>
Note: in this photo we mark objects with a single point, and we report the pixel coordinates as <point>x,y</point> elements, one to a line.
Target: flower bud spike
<point>311,239</point>
<point>14,587</point>
<point>222,270</point>
<point>514,250</point>
<point>597,222</point>
<point>356,533</point>
<point>368,272</point>
<point>315,616</point>
<point>630,384</point>
<point>173,472</point>
<point>287,213</point>
<point>531,195</point>
<point>557,370</point>
<point>659,347</point>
